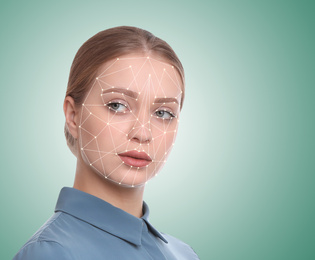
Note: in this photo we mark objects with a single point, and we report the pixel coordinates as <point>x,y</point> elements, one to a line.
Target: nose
<point>141,131</point>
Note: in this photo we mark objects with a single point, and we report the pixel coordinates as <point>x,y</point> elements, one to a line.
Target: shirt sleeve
<point>42,250</point>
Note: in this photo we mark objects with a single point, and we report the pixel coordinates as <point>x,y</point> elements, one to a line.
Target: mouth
<point>135,158</point>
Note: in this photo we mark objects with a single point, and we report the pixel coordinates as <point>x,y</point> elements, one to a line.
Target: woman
<point>124,96</point>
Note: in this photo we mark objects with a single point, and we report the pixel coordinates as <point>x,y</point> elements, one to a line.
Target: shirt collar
<point>103,215</point>
<point>145,217</point>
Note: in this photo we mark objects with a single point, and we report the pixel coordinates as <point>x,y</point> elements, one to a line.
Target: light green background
<point>239,183</point>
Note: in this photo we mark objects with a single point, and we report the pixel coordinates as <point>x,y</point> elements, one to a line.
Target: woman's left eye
<point>117,107</point>
<point>164,114</point>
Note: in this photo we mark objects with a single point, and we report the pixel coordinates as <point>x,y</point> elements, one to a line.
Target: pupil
<point>160,113</point>
<point>115,106</point>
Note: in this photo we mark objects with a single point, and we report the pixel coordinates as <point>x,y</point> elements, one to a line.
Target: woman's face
<point>129,119</point>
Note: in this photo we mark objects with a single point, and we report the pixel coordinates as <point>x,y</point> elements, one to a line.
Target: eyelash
<point>110,104</point>
<point>165,111</point>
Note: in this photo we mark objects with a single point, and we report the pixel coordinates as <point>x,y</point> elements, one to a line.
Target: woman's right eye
<point>117,107</point>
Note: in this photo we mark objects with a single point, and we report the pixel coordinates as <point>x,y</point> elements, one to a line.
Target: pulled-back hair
<point>107,45</point>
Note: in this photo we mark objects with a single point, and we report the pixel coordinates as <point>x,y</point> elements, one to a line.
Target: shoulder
<point>42,250</point>
<point>43,244</point>
<point>180,249</point>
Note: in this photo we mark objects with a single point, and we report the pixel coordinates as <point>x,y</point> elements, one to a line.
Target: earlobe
<point>71,115</point>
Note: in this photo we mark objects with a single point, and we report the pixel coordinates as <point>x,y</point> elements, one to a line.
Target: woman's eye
<point>164,114</point>
<point>117,107</point>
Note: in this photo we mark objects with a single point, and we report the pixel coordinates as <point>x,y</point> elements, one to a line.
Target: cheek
<point>90,123</point>
<point>163,138</point>
<point>113,138</point>
<point>101,130</point>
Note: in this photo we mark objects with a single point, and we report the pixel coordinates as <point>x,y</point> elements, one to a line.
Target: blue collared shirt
<point>88,228</point>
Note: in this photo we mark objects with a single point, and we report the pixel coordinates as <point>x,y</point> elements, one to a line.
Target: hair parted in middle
<point>107,45</point>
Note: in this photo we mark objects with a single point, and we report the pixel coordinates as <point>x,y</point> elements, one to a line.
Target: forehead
<point>141,74</point>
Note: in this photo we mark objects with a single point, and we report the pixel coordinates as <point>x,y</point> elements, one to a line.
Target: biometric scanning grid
<point>129,119</point>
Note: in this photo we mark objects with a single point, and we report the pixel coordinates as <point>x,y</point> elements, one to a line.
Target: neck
<point>125,198</point>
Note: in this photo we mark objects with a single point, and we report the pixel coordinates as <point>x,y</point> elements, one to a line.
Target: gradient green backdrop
<point>239,183</point>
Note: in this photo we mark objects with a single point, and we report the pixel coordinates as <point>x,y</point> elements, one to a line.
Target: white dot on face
<point>90,164</point>
<point>148,57</point>
<point>117,58</point>
<point>107,123</point>
<point>90,113</point>
<point>79,126</point>
<point>96,77</point>
<point>173,67</point>
<point>83,104</point>
<point>142,125</point>
<point>81,149</point>
<point>95,137</point>
<point>164,132</point>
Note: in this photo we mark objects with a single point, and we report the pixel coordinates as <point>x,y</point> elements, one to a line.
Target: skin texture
<point>132,106</point>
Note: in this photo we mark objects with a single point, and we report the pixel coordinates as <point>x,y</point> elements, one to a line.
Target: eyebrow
<point>166,100</point>
<point>124,91</point>
<point>135,95</point>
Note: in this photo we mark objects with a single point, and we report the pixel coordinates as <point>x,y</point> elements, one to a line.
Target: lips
<point>135,158</point>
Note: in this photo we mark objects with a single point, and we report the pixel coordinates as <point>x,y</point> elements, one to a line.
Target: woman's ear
<point>72,116</point>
